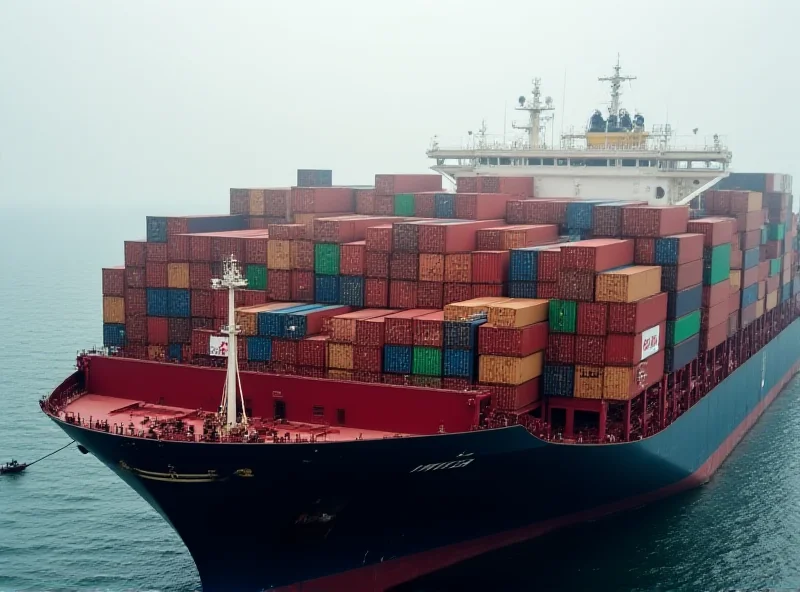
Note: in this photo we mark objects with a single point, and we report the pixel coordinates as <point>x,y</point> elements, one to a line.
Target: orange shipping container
<point>279,254</point>
<point>623,383</point>
<point>178,275</point>
<point>431,267</point>
<point>736,279</point>
<point>113,309</point>
<point>506,370</point>
<point>343,327</point>
<point>457,311</point>
<point>629,284</point>
<point>518,312</point>
<point>458,268</point>
<point>256,199</point>
<point>588,382</point>
<point>339,356</point>
<point>301,255</point>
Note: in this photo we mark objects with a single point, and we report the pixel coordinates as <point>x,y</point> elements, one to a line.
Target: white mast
<point>616,83</point>
<point>535,108</point>
<point>231,280</point>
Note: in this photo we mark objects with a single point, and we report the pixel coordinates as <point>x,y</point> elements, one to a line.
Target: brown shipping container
<point>365,201</point>
<point>425,204</point>
<point>549,265</point>
<point>178,247</point>
<point>607,218</point>
<point>458,268</point>
<point>157,331</point>
<point>547,290</point>
<point>429,329</point>
<point>135,330</point>
<point>318,200</point>
<point>690,246</point>
<point>114,281</point>
<point>370,332</point>
<point>404,266</point>
<point>311,351</point>
<point>459,311</point>
<point>346,229</point>
<point>279,283</point>
<point>592,318</point>
<point>518,237</point>
<point>368,359</point>
<point>626,350</point>
<point>711,317</point>
<point>511,398</point>
<point>384,205</point>
<point>279,254</point>
<point>343,327</point>
<point>392,184</point>
<point>156,274</point>
<point>629,284</point>
<point>135,254</point>
<point>590,349</point>
<point>644,251</point>
<point>379,238</point>
<point>339,356</point>
<point>588,382</point>
<point>717,231</point>
<point>431,267</point>
<point>716,335</point>
<point>135,302</point>
<point>451,237</point>
<point>688,274</point>
<point>399,326</point>
<point>284,351</point>
<point>774,249</point>
<point>179,330</point>
<point>113,309</point>
<point>456,293</point>
<point>255,250</point>
<point>376,292</point>
<point>351,258</point>
<point>734,301</point>
<point>654,221</point>
<point>518,312</point>
<point>277,201</point>
<point>773,283</point>
<point>560,348</point>
<point>717,293</point>
<point>576,284</point>
<point>515,213</point>
<point>750,221</point>
<point>287,231</point>
<point>156,252</point>
<point>489,239</point>
<point>737,257</point>
<point>430,294</point>
<point>763,271</point>
<point>749,239</point>
<point>178,275</point>
<point>508,370</point>
<point>512,341</point>
<point>376,265</point>
<point>302,285</point>
<point>253,297</point>
<point>635,317</point>
<point>521,186</point>
<point>200,247</point>
<point>597,254</point>
<point>624,383</point>
<point>202,304</point>
<point>490,267</point>
<point>402,294</point>
<point>481,206</point>
<point>749,277</point>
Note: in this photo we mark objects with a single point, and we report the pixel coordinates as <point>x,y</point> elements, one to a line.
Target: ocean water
<point>68,524</point>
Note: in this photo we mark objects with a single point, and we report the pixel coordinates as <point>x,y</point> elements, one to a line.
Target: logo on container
<point>218,346</point>
<point>651,341</point>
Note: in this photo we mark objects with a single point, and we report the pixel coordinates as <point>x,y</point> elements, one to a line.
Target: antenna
<point>616,83</point>
<point>535,108</point>
<point>231,281</point>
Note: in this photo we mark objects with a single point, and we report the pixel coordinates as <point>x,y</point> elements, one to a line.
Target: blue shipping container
<point>462,334</point>
<point>259,349</point>
<point>667,251</point>
<point>524,264</point>
<point>296,322</point>
<point>156,229</point>
<point>157,302</point>
<point>460,363</point>
<point>179,303</point>
<point>682,303</point>
<point>677,357</point>
<point>351,290</point>
<point>522,289</point>
<point>445,205</point>
<point>174,352</point>
<point>113,335</point>
<point>579,215</point>
<point>751,258</point>
<point>749,295</point>
<point>326,288</point>
<point>397,359</point>
<point>558,381</point>
<point>272,323</point>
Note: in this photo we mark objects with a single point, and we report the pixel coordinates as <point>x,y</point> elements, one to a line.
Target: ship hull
<point>368,515</point>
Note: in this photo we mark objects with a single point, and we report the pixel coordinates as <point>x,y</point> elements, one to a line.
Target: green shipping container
<point>427,361</point>
<point>563,316</point>
<point>683,328</point>
<point>716,264</point>
<point>326,259</point>
<point>764,235</point>
<point>256,277</point>
<point>404,204</point>
<point>776,231</point>
<point>775,266</point>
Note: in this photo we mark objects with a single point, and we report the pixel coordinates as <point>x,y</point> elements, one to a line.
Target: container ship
<point>344,388</point>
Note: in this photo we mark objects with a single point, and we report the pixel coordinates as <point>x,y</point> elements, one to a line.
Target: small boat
<point>12,467</point>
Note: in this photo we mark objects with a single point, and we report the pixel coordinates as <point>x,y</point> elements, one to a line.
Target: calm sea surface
<point>68,524</point>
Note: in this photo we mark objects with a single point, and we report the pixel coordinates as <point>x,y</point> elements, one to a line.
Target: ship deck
<point>135,418</point>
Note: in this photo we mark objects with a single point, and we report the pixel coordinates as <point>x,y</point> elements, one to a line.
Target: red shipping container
<point>714,336</point>
<point>711,317</point>
<point>515,212</point>
<point>737,257</point>
<point>454,384</point>
<point>376,265</point>
<point>734,301</point>
<point>372,377</point>
<point>431,267</point>
<point>773,283</point>
<point>717,231</point>
<point>762,290</point>
<point>576,284</point>
<point>529,235</point>
<point>277,202</point>
<point>481,206</point>
<point>135,253</point>
<point>549,265</point>
<point>774,249</point>
<point>379,238</point>
<point>763,271</point>
<point>202,303</point>
<point>560,348</point>
<point>200,276</point>
<point>285,351</point>
<point>511,398</point>
<point>547,290</point>
<point>690,247</point>
<point>201,341</point>
<point>402,294</point>
<point>279,284</point>
<point>346,229</point>
<point>749,239</point>
<point>253,297</point>
<point>286,231</point>
<point>156,274</point>
<point>626,350</point>
<point>512,341</point>
<point>713,295</point>
<point>399,326</point>
<point>391,184</point>
<point>136,329</point>
<point>592,318</point>
<point>199,247</point>
<point>688,274</point>
<point>179,330</point>
<point>750,221</point>
<point>607,218</point>
<point>488,239</point>
<point>487,290</point>
<point>135,302</point>
<point>635,317</point>
<point>490,267</point>
<point>429,329</point>
<point>368,359</point>
<point>654,221</point>
<point>451,237</point>
<point>644,252</point>
<point>590,349</point>
<point>645,374</point>
<point>156,252</point>
<point>599,254</point>
<point>114,281</point>
<point>302,286</point>
<point>458,268</point>
<point>748,315</point>
<point>376,292</point>
<point>178,247</point>
<point>404,266</point>
<point>425,204</point>
<point>430,294</point>
<point>521,186</point>
<point>371,332</point>
<point>256,223</point>
<point>750,277</point>
<point>255,250</point>
<point>301,255</point>
<point>545,211</point>
<point>221,304</point>
<point>384,205</point>
<point>311,351</point>
<point>365,201</point>
<point>352,257</point>
<point>157,331</point>
<point>322,200</point>
<point>456,292</point>
<point>317,321</point>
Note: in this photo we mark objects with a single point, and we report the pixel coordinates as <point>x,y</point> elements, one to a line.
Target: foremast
<point>231,281</point>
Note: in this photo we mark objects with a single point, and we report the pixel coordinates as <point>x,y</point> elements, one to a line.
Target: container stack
<point>340,356</point>
<point>460,358</point>
<point>427,361</point>
<point>115,318</point>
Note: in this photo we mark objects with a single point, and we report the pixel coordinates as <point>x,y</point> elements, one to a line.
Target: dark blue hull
<point>368,514</point>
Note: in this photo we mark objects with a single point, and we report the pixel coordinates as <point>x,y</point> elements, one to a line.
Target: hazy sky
<point>172,103</point>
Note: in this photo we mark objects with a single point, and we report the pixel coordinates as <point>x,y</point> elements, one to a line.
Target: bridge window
<point>577,162</point>
<point>647,163</point>
<point>629,162</point>
<point>534,162</point>
<point>597,162</point>
<point>562,162</point>
<point>505,161</point>
<point>319,411</point>
<point>493,161</point>
<point>545,162</point>
<point>483,160</point>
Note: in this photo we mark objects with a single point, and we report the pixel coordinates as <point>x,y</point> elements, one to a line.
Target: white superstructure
<point>614,158</point>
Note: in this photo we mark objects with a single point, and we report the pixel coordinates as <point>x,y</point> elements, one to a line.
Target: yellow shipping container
<point>617,382</point>
<point>431,267</point>
<point>759,308</point>
<point>772,300</point>
<point>279,254</point>
<point>308,221</point>
<point>506,370</point>
<point>629,284</point>
<point>589,382</point>
<point>736,279</point>
<point>256,202</point>
<point>518,312</point>
<point>247,316</point>
<point>113,309</point>
<point>178,275</point>
<point>339,356</point>
<point>457,311</point>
